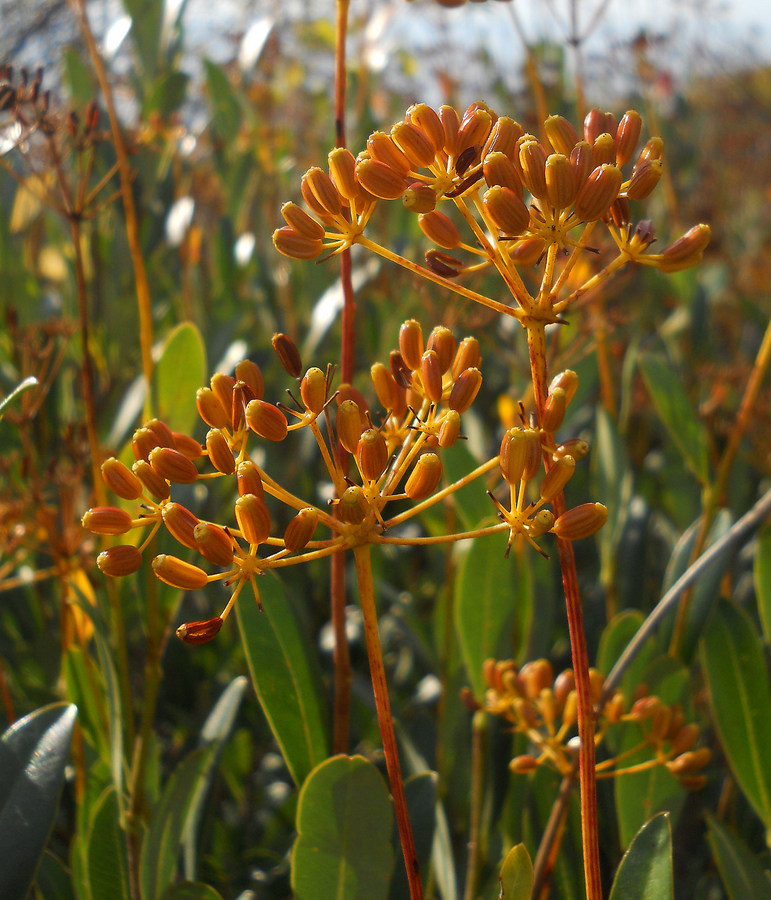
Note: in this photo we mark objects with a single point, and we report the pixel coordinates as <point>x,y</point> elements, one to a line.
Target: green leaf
<point>53,880</point>
<point>146,19</point>
<point>283,678</point>
<point>742,873</point>
<point>191,890</point>
<point>33,754</point>
<point>226,109</point>
<point>484,606</point>
<point>343,849</point>
<point>645,872</point>
<point>181,370</point>
<point>420,792</point>
<point>106,860</point>
<point>614,640</point>
<point>516,876</point>
<point>167,94</point>
<point>762,572</point>
<point>84,688</point>
<point>676,413</point>
<point>184,791</point>
<point>737,681</point>
<point>471,502</point>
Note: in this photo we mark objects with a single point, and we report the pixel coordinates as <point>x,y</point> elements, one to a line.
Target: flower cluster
<point>545,709</point>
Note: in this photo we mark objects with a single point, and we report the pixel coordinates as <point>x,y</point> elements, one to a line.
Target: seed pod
<point>242,396</point>
<point>248,479</point>
<point>223,385</point>
<point>620,212</point>
<point>527,252</point>
<point>290,243</point>
<point>253,518</point>
<point>419,198</point>
<point>561,187</point>
<point>210,409</point>
<point>581,521</point>
<point>523,764</point>
<point>465,390</point>
<point>581,161</point>
<point>557,477</point>
<point>214,543</point>
<point>443,264</point>
<point>449,429</point>
<point>383,150</point>
<point>300,529</point>
<point>431,376</point>
<point>371,454</point>
<point>414,144</point>
<point>520,454</point>
<point>603,151</point>
<point>467,356</point>
<point>690,761</point>
<point>316,208</point>
<point>441,340</point>
<point>596,684</point>
<point>199,632</point>
<point>560,134</point>
<point>266,420</point>
<point>660,723</point>
<point>574,447</point>
<point>411,344</point>
<point>564,683</point>
<point>568,381</point>
<point>173,466</point>
<point>499,170</point>
<point>342,171</point>
<point>352,506</point>
<point>106,520</point>
<point>535,676</point>
<point>143,441</point>
<point>301,223</point>
<point>653,149</point>
<point>503,137</point>
<point>686,251</point>
<point>180,523</point>
<point>627,136</point>
<point>220,454</point>
<point>178,573</point>
<point>323,190</point>
<point>187,445</point>
<point>570,710</point>
<point>532,158</point>
<point>553,410</point>
<point>438,228</point>
<point>424,477</point>
<point>644,179</point>
<point>541,522</point>
<point>250,373</point>
<point>287,353</point>
<point>614,708</point>
<point>594,125</point>
<point>162,432</point>
<point>379,179</point>
<point>473,131</point>
<point>505,210</point>
<point>426,119</point>
<point>599,191</point>
<point>118,561</point>
<point>450,123</point>
<point>313,390</point>
<point>685,739</point>
<point>386,388</point>
<point>158,487</point>
<point>349,425</point>
<point>120,479</point>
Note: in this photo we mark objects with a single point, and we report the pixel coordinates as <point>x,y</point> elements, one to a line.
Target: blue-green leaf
<point>181,370</point>
<point>516,876</point>
<point>645,872</point>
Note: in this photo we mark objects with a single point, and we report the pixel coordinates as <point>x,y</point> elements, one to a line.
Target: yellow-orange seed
<point>266,420</point>
<point>424,477</point>
<point>214,543</point>
<point>180,523</point>
<point>253,518</point>
<point>119,561</point>
<point>178,573</point>
<point>173,465</point>
<point>300,529</point>
<point>106,520</point>
<point>120,479</point>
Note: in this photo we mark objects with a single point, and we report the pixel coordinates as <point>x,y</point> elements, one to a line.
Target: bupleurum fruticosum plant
<point>532,210</point>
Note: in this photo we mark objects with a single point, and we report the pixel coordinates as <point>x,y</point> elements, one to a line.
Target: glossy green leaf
<point>740,870</point>
<point>737,680</point>
<point>471,502</point>
<point>343,849</point>
<point>484,606</point>
<point>191,890</point>
<point>284,678</point>
<point>676,413</point>
<point>645,872</point>
<point>33,754</point>
<point>181,370</point>
<point>420,792</point>
<point>516,876</point>
<point>184,791</point>
<point>763,580</point>
<point>106,861</point>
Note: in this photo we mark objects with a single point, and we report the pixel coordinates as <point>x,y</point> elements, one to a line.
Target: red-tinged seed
<point>429,123</point>
<point>266,420</point>
<point>554,410</point>
<point>599,191</point>
<point>214,543</point>
<point>106,520</point>
<point>505,209</point>
<point>627,136</point>
<point>438,228</point>
<point>523,764</point>
<point>158,487</point>
<point>644,179</point>
<point>349,392</point>
<point>187,446</point>
<point>383,150</point>
<point>253,518</point>
<point>199,632</point>
<point>473,131</point>
<point>564,683</point>
<point>532,158</point>
<point>535,676</point>
<point>380,180</point>
<point>450,123</point>
<point>581,521</point>
<point>248,479</point>
<point>467,356</point>
<point>512,455</point>
<point>300,529</point>
<point>288,354</point>
<point>349,425</point>
<point>250,373</point>
<point>120,479</point>
<point>441,340</point>
<point>449,430</point>
<point>414,144</point>
<point>653,149</point>
<point>561,187</point>
<point>301,223</point>
<point>463,163</point>
<point>424,477</point>
<point>352,506</point>
<point>620,212</point>
<point>223,385</point>
<point>324,190</point>
<point>574,447</point>
<point>604,151</point>
<point>499,170</point>
<point>180,523</point>
<point>210,409</point>
<point>685,739</point>
<point>242,396</point>
<point>313,390</point>
<point>560,134</point>
<point>371,454</point>
<point>431,376</point>
<point>173,465</point>
<point>178,573</point>
<point>400,370</point>
<point>557,477</point>
<point>419,198</point>
<point>220,454</point>
<point>686,251</point>
<point>296,246</point>
<point>503,137</point>
<point>386,387</point>
<point>142,442</point>
<point>316,208</point>
<point>119,561</point>
<point>568,381</point>
<point>594,125</point>
<point>533,454</point>
<point>465,390</point>
<point>162,431</point>
<point>581,161</point>
<point>411,344</point>
<point>527,252</point>
<point>342,171</point>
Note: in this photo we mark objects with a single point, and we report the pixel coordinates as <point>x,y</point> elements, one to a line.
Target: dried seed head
<point>581,521</point>
<point>557,477</point>
<point>248,479</point>
<point>300,529</point>
<point>644,179</point>
<point>414,144</point>
<point>288,354</point>
<point>250,373</point>
<point>210,409</point>
<point>158,487</point>
<point>214,543</point>
<point>411,344</point>
<point>505,209</point>
<point>627,136</point>
<point>419,198</point>
<point>465,390</point>
<point>313,390</point>
<point>220,454</point>
<point>324,191</point>
<point>503,137</point>
<point>431,376</point>
<point>120,479</point>
<point>449,429</point>
<point>379,179</point>
<point>527,252</point>
<point>173,465</point>
<point>342,171</point>
<point>686,251</point>
<point>441,340</point>
<point>180,523</point>
<point>554,410</point>
<point>178,573</point>
<point>560,134</point>
<point>371,454</point>
<point>424,477</point>
<point>438,228</point>
<point>106,520</point>
<point>604,151</point>
<point>426,119</point>
<point>199,632</point>
<point>253,518</point>
<point>382,149</point>
<point>349,425</point>
<point>301,223</point>
<point>266,420</point>
<point>352,506</point>
<point>290,243</point>
<point>467,356</point>
<point>561,187</point>
<point>599,191</point>
<point>532,159</point>
<point>118,561</point>
<point>498,169</point>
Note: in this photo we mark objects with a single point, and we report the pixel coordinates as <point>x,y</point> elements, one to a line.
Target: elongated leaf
<point>16,392</point>
<point>343,849</point>
<point>33,754</point>
<point>283,678</point>
<point>106,852</point>
<point>742,873</point>
<point>676,413</point>
<point>763,581</point>
<point>226,109</point>
<point>471,501</point>
<point>184,791</point>
<point>645,872</point>
<point>484,606</point>
<point>146,18</point>
<point>516,874</point>
<point>53,880</point>
<point>181,370</point>
<point>740,699</point>
<point>420,791</point>
<point>613,641</point>
<point>191,890</point>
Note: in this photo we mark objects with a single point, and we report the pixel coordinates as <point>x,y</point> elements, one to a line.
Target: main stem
<point>382,704</point>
